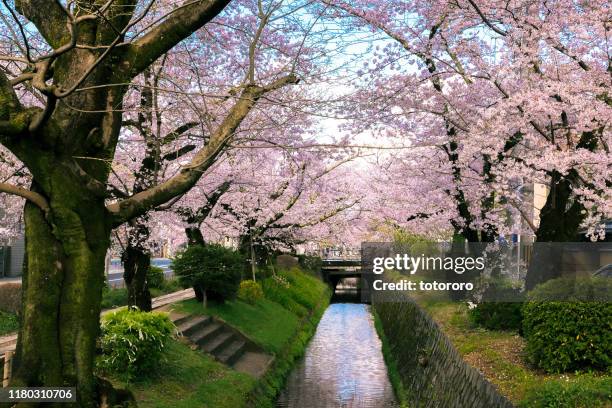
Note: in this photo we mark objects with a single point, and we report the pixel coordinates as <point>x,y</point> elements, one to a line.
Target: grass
<point>499,356</point>
<point>8,323</point>
<point>394,376</point>
<point>267,323</point>
<point>189,378</point>
<point>282,324</point>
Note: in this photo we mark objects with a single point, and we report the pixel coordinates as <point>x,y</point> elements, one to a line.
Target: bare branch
<point>179,24</point>
<point>29,195</point>
<point>486,20</point>
<point>189,175</point>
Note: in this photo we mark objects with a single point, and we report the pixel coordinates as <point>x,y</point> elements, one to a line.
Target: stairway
<point>224,343</point>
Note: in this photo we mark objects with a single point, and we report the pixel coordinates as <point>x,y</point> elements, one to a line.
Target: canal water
<point>343,365</point>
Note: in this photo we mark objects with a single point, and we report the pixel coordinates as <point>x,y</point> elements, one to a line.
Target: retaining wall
<point>432,371</point>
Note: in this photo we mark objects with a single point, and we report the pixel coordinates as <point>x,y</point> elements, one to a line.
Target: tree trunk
<point>560,220</point>
<point>62,291</point>
<point>136,264</point>
<point>194,236</point>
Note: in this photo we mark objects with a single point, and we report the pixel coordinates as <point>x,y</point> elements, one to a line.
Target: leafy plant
<point>112,298</point>
<point>250,291</point>
<point>132,342</point>
<point>568,325</point>
<point>155,277</point>
<point>8,323</point>
<point>497,315</point>
<point>213,271</point>
<point>10,298</point>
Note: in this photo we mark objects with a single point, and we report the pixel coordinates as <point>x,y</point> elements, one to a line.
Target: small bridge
<point>333,270</point>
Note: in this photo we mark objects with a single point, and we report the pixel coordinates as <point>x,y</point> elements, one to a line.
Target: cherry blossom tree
<point>80,59</point>
<point>496,96</point>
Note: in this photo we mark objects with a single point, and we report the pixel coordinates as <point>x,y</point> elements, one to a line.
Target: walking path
<point>4,281</point>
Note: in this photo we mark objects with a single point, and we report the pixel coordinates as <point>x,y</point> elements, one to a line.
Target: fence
<point>6,361</point>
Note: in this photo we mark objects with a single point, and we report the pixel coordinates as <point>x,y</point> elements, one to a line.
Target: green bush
<point>310,264</point>
<point>250,291</point>
<point>8,323</point>
<point>497,315</point>
<point>10,298</point>
<point>132,342</point>
<point>155,277</point>
<point>573,332</point>
<point>112,298</point>
<point>212,268</point>
<point>167,286</point>
<point>581,392</point>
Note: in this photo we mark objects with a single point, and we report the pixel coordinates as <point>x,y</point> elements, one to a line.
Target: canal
<point>343,365</point>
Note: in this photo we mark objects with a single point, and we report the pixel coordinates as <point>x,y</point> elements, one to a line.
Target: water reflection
<point>343,365</point>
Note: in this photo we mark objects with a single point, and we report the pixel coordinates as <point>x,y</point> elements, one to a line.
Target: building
<point>11,257</point>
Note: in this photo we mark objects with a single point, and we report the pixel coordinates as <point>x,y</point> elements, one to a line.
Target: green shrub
<point>276,290</point>
<point>132,342</point>
<point>250,291</point>
<point>167,286</point>
<point>311,264</point>
<point>296,291</point>
<point>212,268</point>
<point>581,392</point>
<point>112,298</point>
<point>8,323</point>
<point>574,334</point>
<point>10,298</point>
<point>155,277</point>
<point>497,315</point>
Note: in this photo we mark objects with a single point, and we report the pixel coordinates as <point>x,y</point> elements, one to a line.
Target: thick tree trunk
<point>136,264</point>
<point>560,220</point>
<point>62,291</point>
<point>194,236</point>
<point>562,214</point>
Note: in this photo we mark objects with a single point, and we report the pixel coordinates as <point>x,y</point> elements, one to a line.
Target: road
<point>115,271</point>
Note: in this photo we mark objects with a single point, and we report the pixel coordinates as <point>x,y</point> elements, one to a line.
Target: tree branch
<point>176,133</point>
<point>29,195</point>
<point>48,16</point>
<point>486,20</point>
<point>189,175</point>
<point>178,25</point>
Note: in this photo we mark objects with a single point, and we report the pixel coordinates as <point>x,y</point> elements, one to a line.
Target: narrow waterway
<point>343,365</point>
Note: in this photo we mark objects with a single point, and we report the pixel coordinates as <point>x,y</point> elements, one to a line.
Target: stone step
<point>179,319</point>
<point>205,333</point>
<point>217,343</point>
<point>192,325</point>
<point>232,353</point>
<point>254,363</point>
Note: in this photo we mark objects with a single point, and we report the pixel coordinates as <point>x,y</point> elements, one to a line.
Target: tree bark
<point>194,236</point>
<point>62,291</point>
<point>136,264</point>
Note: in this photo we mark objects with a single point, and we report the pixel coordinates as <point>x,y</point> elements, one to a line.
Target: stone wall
<point>432,371</point>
